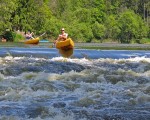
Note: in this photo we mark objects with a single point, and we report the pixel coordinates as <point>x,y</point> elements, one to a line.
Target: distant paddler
<point>32,40</point>
<point>28,35</point>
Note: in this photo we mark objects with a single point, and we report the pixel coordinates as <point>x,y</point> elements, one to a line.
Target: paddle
<point>40,35</point>
<point>52,46</point>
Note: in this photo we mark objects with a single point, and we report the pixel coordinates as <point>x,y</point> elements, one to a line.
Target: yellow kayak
<point>65,47</point>
<point>32,41</point>
<point>67,44</point>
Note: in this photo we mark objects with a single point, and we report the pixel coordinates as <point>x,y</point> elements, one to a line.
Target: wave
<point>74,88</point>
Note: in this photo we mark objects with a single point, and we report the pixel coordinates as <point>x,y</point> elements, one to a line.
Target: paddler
<point>28,35</point>
<point>62,37</point>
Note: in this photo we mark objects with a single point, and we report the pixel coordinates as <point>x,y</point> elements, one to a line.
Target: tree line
<point>122,21</point>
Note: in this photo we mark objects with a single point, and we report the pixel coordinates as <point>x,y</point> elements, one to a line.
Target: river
<point>38,84</point>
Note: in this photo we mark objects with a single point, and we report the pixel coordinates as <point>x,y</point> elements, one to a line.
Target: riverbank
<point>101,46</point>
<point>114,46</point>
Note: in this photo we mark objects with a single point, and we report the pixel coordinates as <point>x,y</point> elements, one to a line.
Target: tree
<point>31,15</point>
<point>98,30</point>
<point>112,29</point>
<point>81,32</point>
<point>83,19</point>
<point>131,27</point>
<point>7,8</point>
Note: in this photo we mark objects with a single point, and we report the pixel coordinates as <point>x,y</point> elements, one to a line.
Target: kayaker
<point>63,36</point>
<point>28,35</point>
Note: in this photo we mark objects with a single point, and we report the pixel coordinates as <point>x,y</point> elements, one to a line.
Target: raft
<point>65,47</point>
<point>32,41</point>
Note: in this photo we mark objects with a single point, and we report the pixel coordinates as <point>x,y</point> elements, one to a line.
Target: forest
<point>123,21</point>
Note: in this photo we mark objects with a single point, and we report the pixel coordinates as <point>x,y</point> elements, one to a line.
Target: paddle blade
<point>51,46</point>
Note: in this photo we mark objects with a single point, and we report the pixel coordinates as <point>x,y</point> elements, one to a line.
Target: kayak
<point>67,44</point>
<point>65,47</point>
<point>32,41</point>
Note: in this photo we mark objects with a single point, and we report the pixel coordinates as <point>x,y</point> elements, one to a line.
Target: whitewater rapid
<point>57,88</point>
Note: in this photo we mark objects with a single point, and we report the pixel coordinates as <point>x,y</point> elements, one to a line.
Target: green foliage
<point>112,29</point>
<point>6,9</point>
<point>8,35</point>
<point>131,26</point>
<point>148,33</point>
<point>84,20</point>
<point>98,30</point>
<point>52,27</point>
<point>81,32</point>
<point>18,37</point>
<point>83,15</point>
<point>145,40</point>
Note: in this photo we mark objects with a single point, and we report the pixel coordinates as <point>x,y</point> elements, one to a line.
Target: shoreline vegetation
<point>113,46</point>
<point>86,21</point>
<point>96,46</point>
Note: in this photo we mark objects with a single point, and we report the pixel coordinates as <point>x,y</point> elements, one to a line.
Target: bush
<point>18,37</point>
<point>8,35</point>
<point>131,27</point>
<point>145,41</point>
<point>98,30</point>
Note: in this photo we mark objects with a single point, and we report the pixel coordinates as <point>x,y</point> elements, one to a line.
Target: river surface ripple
<point>39,84</point>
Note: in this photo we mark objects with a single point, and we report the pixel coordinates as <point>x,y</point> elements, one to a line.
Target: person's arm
<point>59,37</point>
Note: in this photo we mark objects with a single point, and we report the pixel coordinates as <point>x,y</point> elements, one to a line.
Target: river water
<point>39,84</point>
